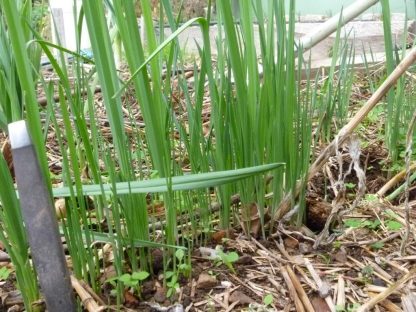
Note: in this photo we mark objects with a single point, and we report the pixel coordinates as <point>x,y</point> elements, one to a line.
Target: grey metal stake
<point>41,223</point>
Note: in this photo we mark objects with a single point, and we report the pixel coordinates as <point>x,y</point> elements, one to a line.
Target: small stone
<point>245,260</point>
<point>4,256</point>
<point>160,295</point>
<point>291,243</point>
<point>325,289</point>
<point>186,301</point>
<point>157,260</point>
<point>206,281</point>
<point>241,297</point>
<point>226,284</point>
<point>148,288</point>
<point>379,282</point>
<point>340,256</point>
<point>129,299</point>
<point>304,248</point>
<point>109,272</point>
<point>60,208</point>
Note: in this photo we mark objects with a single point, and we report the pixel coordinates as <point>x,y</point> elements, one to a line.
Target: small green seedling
<point>268,300</point>
<point>393,225</point>
<point>367,273</point>
<point>4,273</point>
<point>130,280</point>
<point>371,224</point>
<point>172,277</point>
<point>357,223</point>
<point>350,186</point>
<point>350,308</point>
<point>377,245</point>
<point>337,244</point>
<point>367,270</point>
<point>371,197</point>
<point>172,284</point>
<point>183,267</point>
<point>326,258</point>
<point>352,223</point>
<point>339,308</point>
<point>227,258</point>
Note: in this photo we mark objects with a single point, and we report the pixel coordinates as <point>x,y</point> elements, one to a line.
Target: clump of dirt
<point>317,212</point>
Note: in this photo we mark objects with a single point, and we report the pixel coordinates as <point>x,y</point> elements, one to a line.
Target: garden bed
<point>359,259</point>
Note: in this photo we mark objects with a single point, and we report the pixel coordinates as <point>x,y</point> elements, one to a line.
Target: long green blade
<point>188,182</point>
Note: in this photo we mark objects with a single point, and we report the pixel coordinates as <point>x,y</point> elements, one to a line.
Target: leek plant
<point>18,73</point>
<point>262,120</point>
<point>121,210</point>
<point>397,107</point>
<point>334,94</point>
<point>13,236</point>
<point>390,107</point>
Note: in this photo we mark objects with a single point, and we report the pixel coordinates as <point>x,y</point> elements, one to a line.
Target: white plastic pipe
<point>331,25</point>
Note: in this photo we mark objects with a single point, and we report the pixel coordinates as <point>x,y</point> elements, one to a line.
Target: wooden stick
<point>346,131</point>
<point>380,297</point>
<point>341,292</point>
<point>301,292</point>
<point>96,297</point>
<point>86,298</point>
<point>292,290</point>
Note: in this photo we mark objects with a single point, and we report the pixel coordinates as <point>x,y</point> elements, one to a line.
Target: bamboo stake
<point>347,130</point>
